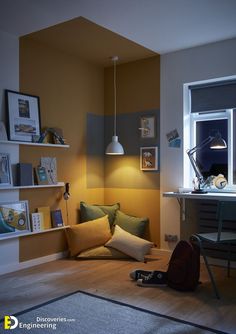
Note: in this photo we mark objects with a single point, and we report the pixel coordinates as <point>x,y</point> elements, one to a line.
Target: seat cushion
<point>102,252</point>
<point>129,244</point>
<point>87,235</point>
<point>212,237</point>
<point>131,224</point>
<point>90,212</point>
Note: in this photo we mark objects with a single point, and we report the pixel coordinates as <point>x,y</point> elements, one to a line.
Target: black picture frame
<point>23,116</point>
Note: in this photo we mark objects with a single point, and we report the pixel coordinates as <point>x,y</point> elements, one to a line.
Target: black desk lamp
<point>216,143</point>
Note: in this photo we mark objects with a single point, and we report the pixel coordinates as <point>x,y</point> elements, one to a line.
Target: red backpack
<point>184,267</point>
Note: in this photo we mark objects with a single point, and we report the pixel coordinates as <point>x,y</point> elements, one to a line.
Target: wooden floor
<point>30,287</point>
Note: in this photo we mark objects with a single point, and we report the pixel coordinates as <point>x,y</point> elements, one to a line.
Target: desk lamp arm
<point>194,162</point>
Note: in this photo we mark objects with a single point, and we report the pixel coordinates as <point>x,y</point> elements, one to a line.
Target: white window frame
<point>189,134</point>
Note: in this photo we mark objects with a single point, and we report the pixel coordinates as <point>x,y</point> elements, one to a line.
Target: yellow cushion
<point>87,235</point>
<point>129,244</point>
<point>102,252</point>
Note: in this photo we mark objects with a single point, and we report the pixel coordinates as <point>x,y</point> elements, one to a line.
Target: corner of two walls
<point>138,94</point>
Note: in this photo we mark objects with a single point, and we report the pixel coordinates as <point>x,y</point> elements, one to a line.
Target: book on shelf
<point>45,210</point>
<point>57,220</point>
<point>37,221</point>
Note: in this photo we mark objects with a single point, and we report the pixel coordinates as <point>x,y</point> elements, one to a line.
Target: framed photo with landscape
<point>23,116</point>
<point>14,217</point>
<point>149,158</point>
<point>5,170</point>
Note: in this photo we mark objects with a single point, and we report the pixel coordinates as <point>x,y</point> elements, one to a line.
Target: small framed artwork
<point>5,170</point>
<point>14,217</point>
<point>41,175</point>
<point>149,158</point>
<point>50,165</point>
<point>148,126</point>
<point>3,132</point>
<point>23,116</point>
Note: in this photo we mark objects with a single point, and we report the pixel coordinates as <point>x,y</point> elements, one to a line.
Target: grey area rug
<point>84,313</point>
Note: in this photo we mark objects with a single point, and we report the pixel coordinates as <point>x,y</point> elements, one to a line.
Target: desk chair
<point>226,211</point>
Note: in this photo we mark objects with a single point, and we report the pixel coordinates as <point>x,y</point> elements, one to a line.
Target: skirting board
<point>27,264</point>
<point>213,261</point>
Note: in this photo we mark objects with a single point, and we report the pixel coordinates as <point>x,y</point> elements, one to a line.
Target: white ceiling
<point>160,25</point>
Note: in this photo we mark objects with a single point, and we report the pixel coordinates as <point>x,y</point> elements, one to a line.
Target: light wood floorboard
<point>109,278</point>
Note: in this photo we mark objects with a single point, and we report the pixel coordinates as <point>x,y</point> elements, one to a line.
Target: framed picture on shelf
<point>41,175</point>
<point>50,165</point>
<point>149,158</point>
<point>14,217</point>
<point>148,126</point>
<point>5,170</point>
<point>23,116</point>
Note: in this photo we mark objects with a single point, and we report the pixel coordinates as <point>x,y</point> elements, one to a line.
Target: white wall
<point>200,63</point>
<point>9,79</point>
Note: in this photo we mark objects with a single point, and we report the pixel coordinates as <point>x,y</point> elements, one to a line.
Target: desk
<point>187,228</point>
<point>219,196</point>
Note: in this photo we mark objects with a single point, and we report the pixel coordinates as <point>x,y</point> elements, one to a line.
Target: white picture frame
<point>5,170</point>
<point>148,126</point>
<point>14,218</point>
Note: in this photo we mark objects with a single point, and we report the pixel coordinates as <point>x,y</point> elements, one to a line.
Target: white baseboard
<point>8,268</point>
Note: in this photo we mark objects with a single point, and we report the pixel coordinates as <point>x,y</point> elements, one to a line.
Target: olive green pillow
<point>133,225</point>
<point>90,212</point>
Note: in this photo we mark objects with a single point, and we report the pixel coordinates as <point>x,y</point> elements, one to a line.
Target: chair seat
<point>212,237</point>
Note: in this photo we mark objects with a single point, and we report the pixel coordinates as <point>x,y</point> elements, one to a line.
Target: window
<point>210,108</point>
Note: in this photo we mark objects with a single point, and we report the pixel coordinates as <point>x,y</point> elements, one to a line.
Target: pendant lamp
<point>114,148</point>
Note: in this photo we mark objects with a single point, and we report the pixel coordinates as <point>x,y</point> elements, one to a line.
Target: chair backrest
<point>226,211</point>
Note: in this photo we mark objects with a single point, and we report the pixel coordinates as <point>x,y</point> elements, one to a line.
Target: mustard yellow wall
<point>68,88</point>
<point>138,89</point>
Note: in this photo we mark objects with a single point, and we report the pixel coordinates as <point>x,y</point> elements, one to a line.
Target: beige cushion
<point>102,252</point>
<point>129,244</point>
<point>87,235</point>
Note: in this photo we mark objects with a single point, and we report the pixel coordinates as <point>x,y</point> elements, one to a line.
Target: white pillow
<point>129,244</point>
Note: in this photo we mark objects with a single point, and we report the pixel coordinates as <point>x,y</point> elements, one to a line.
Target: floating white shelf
<point>12,235</point>
<point>10,142</point>
<point>59,184</point>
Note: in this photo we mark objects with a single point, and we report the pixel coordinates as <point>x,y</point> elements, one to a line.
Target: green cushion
<point>133,225</point>
<point>90,212</point>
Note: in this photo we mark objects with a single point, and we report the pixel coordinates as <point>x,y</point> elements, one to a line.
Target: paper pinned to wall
<point>173,139</point>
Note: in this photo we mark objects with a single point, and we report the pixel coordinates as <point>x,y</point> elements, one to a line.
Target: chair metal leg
<point>196,238</point>
<point>229,259</point>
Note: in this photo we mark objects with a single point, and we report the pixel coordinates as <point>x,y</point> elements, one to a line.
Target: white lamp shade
<point>114,148</point>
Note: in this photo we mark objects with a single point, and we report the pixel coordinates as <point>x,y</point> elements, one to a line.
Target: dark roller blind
<point>213,97</point>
